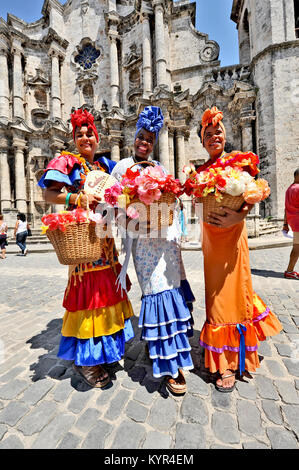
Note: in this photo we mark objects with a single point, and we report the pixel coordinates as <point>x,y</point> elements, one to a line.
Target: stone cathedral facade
<point>114,57</point>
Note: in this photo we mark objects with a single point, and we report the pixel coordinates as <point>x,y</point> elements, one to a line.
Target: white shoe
<point>26,251</point>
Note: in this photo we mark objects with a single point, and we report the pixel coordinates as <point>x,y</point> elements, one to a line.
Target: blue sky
<point>212,18</point>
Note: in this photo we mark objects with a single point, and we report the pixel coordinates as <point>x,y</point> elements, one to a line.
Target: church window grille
<point>87,57</point>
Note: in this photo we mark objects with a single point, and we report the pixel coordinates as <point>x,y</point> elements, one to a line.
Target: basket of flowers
<point>230,182</point>
<point>75,235</point>
<point>148,195</point>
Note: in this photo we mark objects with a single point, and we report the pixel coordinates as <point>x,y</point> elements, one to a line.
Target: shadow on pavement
<point>265,273</point>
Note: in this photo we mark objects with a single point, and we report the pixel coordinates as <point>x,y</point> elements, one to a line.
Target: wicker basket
<point>211,205</point>
<point>78,244</point>
<point>164,217</point>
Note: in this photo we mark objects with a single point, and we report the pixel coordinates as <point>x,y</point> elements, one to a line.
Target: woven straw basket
<point>78,244</point>
<point>211,205</point>
<point>163,214</point>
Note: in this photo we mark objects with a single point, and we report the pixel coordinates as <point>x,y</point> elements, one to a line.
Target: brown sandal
<point>90,375</point>
<point>178,385</point>
<point>226,389</point>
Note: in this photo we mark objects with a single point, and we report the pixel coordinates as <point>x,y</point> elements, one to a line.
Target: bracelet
<point>78,200</point>
<point>67,200</point>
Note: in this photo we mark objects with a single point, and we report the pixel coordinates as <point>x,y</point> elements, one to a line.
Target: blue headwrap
<point>150,119</point>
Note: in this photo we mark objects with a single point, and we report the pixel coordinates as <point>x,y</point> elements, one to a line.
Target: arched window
<point>87,57</point>
<point>88,94</point>
<point>296,12</point>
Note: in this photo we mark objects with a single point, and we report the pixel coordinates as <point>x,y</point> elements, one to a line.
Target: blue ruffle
<point>189,296</point>
<point>55,175</point>
<point>165,322</point>
<point>94,351</point>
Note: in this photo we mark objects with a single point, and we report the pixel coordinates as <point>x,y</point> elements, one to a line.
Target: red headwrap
<point>211,116</point>
<point>79,118</point>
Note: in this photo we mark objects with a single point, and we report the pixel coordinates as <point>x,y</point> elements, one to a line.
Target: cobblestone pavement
<point>44,405</point>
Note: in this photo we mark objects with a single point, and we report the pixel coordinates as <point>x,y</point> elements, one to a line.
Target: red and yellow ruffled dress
<point>96,324</point>
<point>237,319</point>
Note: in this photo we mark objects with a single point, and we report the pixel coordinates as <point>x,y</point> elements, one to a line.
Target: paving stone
<point>296,385</point>
<point>129,436</point>
<point>42,368</point>
<point>11,442</point>
<point>190,436</point>
<point>137,374</point>
<point>13,412</point>
<point>249,418</point>
<point>128,383</point>
<point>143,396</point>
<point>225,428</point>
<point>291,365</point>
<point>196,385</point>
<point>280,438</point>
<point>87,419</point>
<point>57,371</point>
<point>295,320</point>
<point>283,349</point>
<point>221,400</point>
<point>276,369</point>
<point>246,389</point>
<point>106,394</point>
<point>292,417</point>
<point>37,391</point>
<point>255,445</point>
<point>79,401</point>
<point>266,388</point>
<point>12,374</point>
<point>194,410</point>
<point>3,430</point>
<point>272,411</point>
<point>287,391</point>
<point>38,418</point>
<point>52,434</point>
<point>97,435</point>
<point>136,412</point>
<point>12,389</point>
<point>163,414</point>
<point>288,325</point>
<point>151,385</point>
<point>63,391</point>
<point>218,446</point>
<point>117,404</point>
<point>70,441</point>
<point>265,349</point>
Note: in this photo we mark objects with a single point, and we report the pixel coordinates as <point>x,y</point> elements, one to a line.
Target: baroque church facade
<point>114,57</point>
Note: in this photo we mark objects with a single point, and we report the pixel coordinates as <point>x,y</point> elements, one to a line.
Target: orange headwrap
<point>211,116</point>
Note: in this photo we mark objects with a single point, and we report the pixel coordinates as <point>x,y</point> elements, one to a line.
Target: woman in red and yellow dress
<point>97,322</point>
<point>236,317</point>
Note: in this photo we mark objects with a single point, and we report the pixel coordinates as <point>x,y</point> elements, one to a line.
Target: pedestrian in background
<point>291,219</point>
<point>21,233</point>
<point>183,225</point>
<point>3,237</point>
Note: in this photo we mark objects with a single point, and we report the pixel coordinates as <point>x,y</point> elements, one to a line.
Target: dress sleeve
<point>62,169</point>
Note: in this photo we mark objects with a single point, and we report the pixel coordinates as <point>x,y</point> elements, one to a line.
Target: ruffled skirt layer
<point>222,341</point>
<point>96,324</point>
<point>165,322</point>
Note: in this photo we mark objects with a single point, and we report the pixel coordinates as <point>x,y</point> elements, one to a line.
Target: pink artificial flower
<point>111,194</point>
<point>132,212</point>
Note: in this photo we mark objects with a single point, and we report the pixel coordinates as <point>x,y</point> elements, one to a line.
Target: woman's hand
<point>230,218</point>
<point>92,200</point>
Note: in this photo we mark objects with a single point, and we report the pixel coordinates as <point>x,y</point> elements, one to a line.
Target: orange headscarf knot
<point>211,116</point>
<point>79,118</point>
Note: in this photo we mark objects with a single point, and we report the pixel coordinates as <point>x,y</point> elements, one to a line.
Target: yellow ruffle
<point>85,324</point>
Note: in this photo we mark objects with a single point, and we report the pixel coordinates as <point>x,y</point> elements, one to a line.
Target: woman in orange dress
<point>236,317</point>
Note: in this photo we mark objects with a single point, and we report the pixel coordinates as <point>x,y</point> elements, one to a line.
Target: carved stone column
<point>18,86</point>
<point>5,186</point>
<point>55,85</point>
<point>171,151</point>
<point>147,57</point>
<point>160,43</point>
<point>20,181</point>
<point>163,147</point>
<point>181,159</point>
<point>114,72</point>
<point>4,84</point>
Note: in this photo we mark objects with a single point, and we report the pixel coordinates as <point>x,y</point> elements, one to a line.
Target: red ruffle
<point>63,163</point>
<point>97,289</point>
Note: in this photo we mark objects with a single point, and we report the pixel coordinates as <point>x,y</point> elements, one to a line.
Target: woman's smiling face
<point>144,144</point>
<point>86,141</point>
<point>214,141</point>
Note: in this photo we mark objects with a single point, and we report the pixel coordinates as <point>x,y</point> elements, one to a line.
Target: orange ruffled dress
<point>231,303</point>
